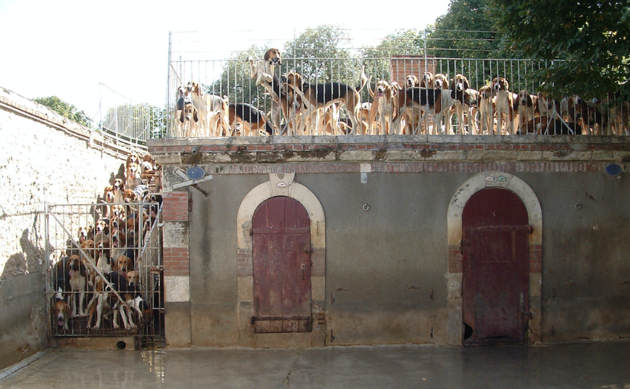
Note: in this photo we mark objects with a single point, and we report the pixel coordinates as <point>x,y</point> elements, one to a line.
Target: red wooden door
<point>282,267</point>
<point>495,268</point>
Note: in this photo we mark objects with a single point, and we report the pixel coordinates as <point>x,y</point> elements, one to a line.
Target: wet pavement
<point>582,365</point>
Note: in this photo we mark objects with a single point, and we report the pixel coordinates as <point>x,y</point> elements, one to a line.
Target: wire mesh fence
<point>234,83</point>
<point>104,275</point>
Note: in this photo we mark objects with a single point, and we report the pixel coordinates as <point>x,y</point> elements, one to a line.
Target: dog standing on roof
<point>264,73</point>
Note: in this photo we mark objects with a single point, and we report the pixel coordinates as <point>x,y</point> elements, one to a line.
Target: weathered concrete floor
<point>592,365</point>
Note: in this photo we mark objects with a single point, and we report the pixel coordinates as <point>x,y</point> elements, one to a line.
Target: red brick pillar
<point>175,233</point>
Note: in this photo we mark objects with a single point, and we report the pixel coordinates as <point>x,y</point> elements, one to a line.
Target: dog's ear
<point>195,116</point>
<point>466,84</point>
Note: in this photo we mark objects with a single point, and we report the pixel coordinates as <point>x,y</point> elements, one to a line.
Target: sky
<point>91,53</point>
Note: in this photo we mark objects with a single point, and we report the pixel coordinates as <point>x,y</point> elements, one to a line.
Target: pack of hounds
<point>100,277</point>
<point>429,104</point>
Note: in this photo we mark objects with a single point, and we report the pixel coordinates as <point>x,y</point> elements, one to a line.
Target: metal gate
<point>104,273</point>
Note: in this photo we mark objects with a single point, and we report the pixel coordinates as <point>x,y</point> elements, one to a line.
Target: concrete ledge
<point>126,343</point>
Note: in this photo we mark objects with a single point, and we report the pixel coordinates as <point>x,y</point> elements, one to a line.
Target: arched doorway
<point>454,275</point>
<point>281,254</point>
<point>495,267</point>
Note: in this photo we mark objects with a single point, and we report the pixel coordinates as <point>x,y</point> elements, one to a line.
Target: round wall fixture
<point>614,169</point>
<point>195,173</point>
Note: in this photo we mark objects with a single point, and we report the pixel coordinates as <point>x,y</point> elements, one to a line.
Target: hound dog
<point>504,105</point>
<point>527,111</point>
<point>420,100</point>
<point>487,109</point>
<point>118,187</point>
<point>183,97</point>
<point>190,120</point>
<point>197,109</point>
<point>210,110</point>
<point>384,105</point>
<point>134,178</point>
<point>465,104</point>
<point>61,312</point>
<point>441,81</point>
<point>549,111</point>
<point>426,81</point>
<point>78,284</point>
<point>319,97</point>
<point>134,300</point>
<point>264,73</point>
<point>248,119</point>
<point>104,262</point>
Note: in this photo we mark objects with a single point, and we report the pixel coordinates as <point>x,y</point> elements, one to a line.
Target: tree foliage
<point>64,109</point>
<point>466,31</point>
<point>587,40</point>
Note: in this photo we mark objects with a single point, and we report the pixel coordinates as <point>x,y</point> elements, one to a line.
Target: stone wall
<point>44,158</point>
<point>391,262</point>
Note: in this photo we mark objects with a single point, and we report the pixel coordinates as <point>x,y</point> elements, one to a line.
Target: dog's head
<point>124,264</point>
<point>460,83</point>
<point>440,81</point>
<point>485,92</point>
<point>102,226</point>
<point>294,80</point>
<point>133,279</point>
<point>61,312</point>
<point>88,247</point>
<point>108,194</point>
<point>195,88</point>
<point>103,249</point>
<point>190,113</point>
<point>132,226</point>
<point>525,99</point>
<point>83,234</point>
<point>383,88</point>
<point>181,91</point>
<point>412,81</point>
<point>500,84</point>
<point>133,157</point>
<point>75,265</point>
<point>119,184</point>
<point>272,57</point>
<point>118,239</point>
<point>129,196</point>
<point>545,100</point>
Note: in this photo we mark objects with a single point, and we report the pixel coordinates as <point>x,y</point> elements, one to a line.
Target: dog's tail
<point>364,80</point>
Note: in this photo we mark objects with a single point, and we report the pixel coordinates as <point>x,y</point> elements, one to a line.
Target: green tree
<point>587,42</point>
<point>237,83</point>
<point>317,54</point>
<point>465,32</point>
<point>64,109</point>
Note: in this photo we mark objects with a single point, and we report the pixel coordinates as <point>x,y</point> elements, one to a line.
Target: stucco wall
<point>387,268</point>
<point>44,158</point>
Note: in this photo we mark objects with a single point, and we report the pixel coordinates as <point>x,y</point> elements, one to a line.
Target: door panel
<point>495,268</point>
<point>282,267</point>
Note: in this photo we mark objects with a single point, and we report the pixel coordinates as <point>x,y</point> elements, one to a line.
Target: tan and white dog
<point>504,105</point>
<point>527,111</point>
<point>487,109</point>
<point>210,110</point>
<point>319,97</point>
<point>383,106</point>
<point>264,73</point>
